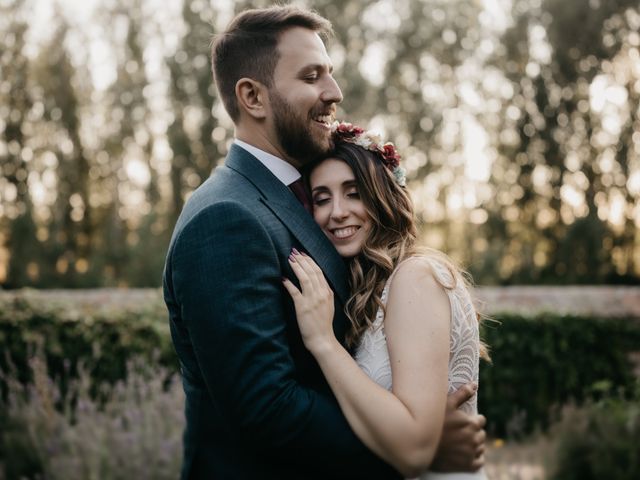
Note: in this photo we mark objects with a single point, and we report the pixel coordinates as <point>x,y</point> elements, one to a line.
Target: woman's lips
<point>344,233</point>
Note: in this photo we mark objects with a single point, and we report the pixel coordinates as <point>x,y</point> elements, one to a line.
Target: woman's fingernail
<point>296,252</point>
<point>292,258</point>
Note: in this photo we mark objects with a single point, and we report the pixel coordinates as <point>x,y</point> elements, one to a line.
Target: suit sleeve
<point>226,278</point>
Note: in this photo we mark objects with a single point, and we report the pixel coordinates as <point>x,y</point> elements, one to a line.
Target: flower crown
<point>390,157</point>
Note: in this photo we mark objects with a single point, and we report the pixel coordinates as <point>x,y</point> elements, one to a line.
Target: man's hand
<point>461,447</point>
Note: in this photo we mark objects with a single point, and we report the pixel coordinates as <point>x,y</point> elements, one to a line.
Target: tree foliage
<point>519,130</point>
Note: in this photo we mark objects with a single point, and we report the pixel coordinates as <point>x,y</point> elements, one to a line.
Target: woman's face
<point>337,206</point>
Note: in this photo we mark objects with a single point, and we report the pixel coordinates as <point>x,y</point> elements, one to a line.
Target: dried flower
<point>390,157</point>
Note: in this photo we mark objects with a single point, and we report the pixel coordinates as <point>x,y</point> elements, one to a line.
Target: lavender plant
<point>132,429</point>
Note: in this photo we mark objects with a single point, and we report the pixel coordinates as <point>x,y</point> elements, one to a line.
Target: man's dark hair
<point>249,47</point>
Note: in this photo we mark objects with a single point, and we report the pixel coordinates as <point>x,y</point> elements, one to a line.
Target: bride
<point>413,325</point>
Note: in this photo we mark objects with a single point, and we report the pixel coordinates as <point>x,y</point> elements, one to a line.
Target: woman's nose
<point>338,211</point>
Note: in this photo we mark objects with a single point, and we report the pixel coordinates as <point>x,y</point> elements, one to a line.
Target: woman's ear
<point>252,97</point>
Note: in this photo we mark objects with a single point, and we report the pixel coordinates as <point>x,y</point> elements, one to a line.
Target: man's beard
<point>293,132</point>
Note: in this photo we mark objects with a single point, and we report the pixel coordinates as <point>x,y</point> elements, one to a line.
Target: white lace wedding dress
<point>373,357</point>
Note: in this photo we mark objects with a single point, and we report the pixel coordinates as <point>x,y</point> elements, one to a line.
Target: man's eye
<point>311,78</point>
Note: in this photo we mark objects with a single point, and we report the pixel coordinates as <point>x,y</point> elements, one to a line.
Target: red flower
<point>390,155</point>
<point>348,130</point>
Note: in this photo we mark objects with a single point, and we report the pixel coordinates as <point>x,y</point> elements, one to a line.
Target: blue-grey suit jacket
<point>257,405</point>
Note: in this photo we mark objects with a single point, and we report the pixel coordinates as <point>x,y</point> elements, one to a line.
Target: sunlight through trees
<point>518,122</point>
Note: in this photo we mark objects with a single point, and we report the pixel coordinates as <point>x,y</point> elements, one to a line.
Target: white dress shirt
<point>283,170</point>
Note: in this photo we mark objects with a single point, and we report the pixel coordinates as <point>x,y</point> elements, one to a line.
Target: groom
<point>257,405</point>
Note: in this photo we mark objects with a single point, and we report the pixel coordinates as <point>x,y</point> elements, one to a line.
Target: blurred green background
<point>518,122</point>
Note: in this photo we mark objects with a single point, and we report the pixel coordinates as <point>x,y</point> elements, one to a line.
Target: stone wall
<point>605,301</point>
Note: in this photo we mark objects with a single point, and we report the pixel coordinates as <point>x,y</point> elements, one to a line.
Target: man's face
<point>303,96</point>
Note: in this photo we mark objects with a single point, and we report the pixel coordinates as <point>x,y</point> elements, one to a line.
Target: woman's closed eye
<point>353,193</point>
<point>320,200</point>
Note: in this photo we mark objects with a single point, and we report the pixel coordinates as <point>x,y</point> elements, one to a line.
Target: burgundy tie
<point>301,194</point>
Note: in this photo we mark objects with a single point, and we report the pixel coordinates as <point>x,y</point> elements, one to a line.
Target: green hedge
<point>99,338</point>
<point>546,361</point>
<point>538,362</point>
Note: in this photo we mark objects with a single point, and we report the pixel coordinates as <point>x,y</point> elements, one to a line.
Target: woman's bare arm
<point>403,426</point>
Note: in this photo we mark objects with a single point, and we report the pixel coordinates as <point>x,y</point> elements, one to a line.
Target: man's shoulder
<point>224,181</point>
<point>224,184</point>
<point>222,191</point>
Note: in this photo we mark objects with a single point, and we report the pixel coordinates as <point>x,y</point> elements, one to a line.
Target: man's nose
<point>332,92</point>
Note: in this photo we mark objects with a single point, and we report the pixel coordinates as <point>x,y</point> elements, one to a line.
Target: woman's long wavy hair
<point>391,240</point>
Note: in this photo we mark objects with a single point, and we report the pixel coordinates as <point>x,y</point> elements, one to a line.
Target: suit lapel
<point>282,202</point>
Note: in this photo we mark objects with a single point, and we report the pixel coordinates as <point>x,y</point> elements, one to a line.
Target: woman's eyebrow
<point>320,188</point>
<point>346,183</point>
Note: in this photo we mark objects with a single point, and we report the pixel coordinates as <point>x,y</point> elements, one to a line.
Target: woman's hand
<point>314,304</point>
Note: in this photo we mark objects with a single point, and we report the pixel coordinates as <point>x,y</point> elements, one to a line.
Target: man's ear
<point>252,97</point>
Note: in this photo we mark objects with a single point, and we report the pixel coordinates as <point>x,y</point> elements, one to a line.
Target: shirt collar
<point>283,170</point>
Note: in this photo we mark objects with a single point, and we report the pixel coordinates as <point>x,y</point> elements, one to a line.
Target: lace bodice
<point>372,354</point>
